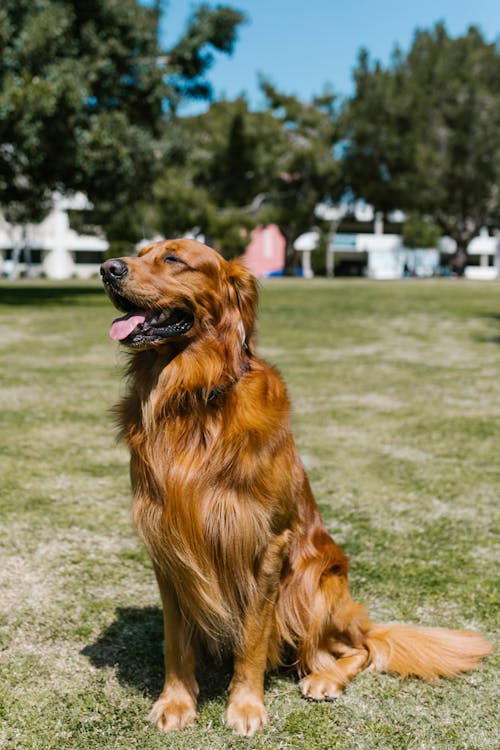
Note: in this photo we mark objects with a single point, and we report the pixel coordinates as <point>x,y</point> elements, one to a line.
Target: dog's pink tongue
<point>123,327</point>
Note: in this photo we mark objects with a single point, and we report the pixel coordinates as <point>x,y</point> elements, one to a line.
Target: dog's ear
<point>243,292</point>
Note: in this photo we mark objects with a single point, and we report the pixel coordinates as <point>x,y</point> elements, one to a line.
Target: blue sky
<point>301,46</point>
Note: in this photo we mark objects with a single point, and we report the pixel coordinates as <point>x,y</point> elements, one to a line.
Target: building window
<point>26,255</point>
<point>88,257</point>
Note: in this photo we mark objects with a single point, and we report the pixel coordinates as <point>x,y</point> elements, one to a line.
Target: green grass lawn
<point>396,396</point>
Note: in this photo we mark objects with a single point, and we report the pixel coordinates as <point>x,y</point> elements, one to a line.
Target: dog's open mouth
<point>139,327</point>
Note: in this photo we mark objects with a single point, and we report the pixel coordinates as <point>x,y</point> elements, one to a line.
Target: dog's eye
<point>170,258</point>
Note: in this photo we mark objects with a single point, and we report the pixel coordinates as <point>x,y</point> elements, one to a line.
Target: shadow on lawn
<point>28,296</point>
<point>495,338</point>
<point>133,645</point>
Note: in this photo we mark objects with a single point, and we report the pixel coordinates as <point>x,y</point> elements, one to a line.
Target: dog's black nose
<point>114,269</point>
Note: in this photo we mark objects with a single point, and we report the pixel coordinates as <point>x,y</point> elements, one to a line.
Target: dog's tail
<point>424,652</point>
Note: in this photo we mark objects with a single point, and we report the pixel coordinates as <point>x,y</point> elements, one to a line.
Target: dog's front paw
<point>246,716</point>
<point>170,713</point>
<point>320,686</point>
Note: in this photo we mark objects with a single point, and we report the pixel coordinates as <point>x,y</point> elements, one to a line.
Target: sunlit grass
<point>396,406</point>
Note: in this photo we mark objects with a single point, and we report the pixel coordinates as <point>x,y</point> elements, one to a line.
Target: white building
<point>383,256</point>
<point>54,250</point>
<point>484,257</point>
<point>51,248</point>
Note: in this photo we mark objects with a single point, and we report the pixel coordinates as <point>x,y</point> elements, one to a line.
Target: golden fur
<point>223,504</point>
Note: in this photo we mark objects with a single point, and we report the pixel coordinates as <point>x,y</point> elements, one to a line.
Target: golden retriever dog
<point>243,560</point>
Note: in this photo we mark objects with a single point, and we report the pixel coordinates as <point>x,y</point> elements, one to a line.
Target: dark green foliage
<point>419,232</point>
<point>192,56</point>
<point>83,86</point>
<point>212,175</point>
<point>238,168</point>
<point>78,107</point>
<point>306,169</point>
<point>424,133</point>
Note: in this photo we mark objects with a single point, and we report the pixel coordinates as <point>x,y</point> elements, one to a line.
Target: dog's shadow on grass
<point>493,338</point>
<point>133,646</point>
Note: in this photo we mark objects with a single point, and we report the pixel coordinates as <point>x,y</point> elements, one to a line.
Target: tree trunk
<point>459,260</point>
<point>291,259</point>
<point>18,246</point>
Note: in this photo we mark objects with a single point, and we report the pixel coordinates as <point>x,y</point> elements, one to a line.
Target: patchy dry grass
<point>396,394</point>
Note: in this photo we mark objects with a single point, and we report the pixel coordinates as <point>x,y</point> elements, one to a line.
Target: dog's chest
<point>203,513</point>
<point>203,531</point>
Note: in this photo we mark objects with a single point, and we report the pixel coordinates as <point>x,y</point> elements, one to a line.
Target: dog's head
<point>177,289</point>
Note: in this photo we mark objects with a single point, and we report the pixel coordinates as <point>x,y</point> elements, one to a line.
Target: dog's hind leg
<point>339,625</point>
<point>317,616</point>
<point>330,674</point>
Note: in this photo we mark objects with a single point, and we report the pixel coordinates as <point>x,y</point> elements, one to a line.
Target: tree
<point>192,57</point>
<point>85,89</point>
<point>207,176</point>
<point>418,232</point>
<point>306,170</point>
<point>239,168</point>
<point>423,134</point>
